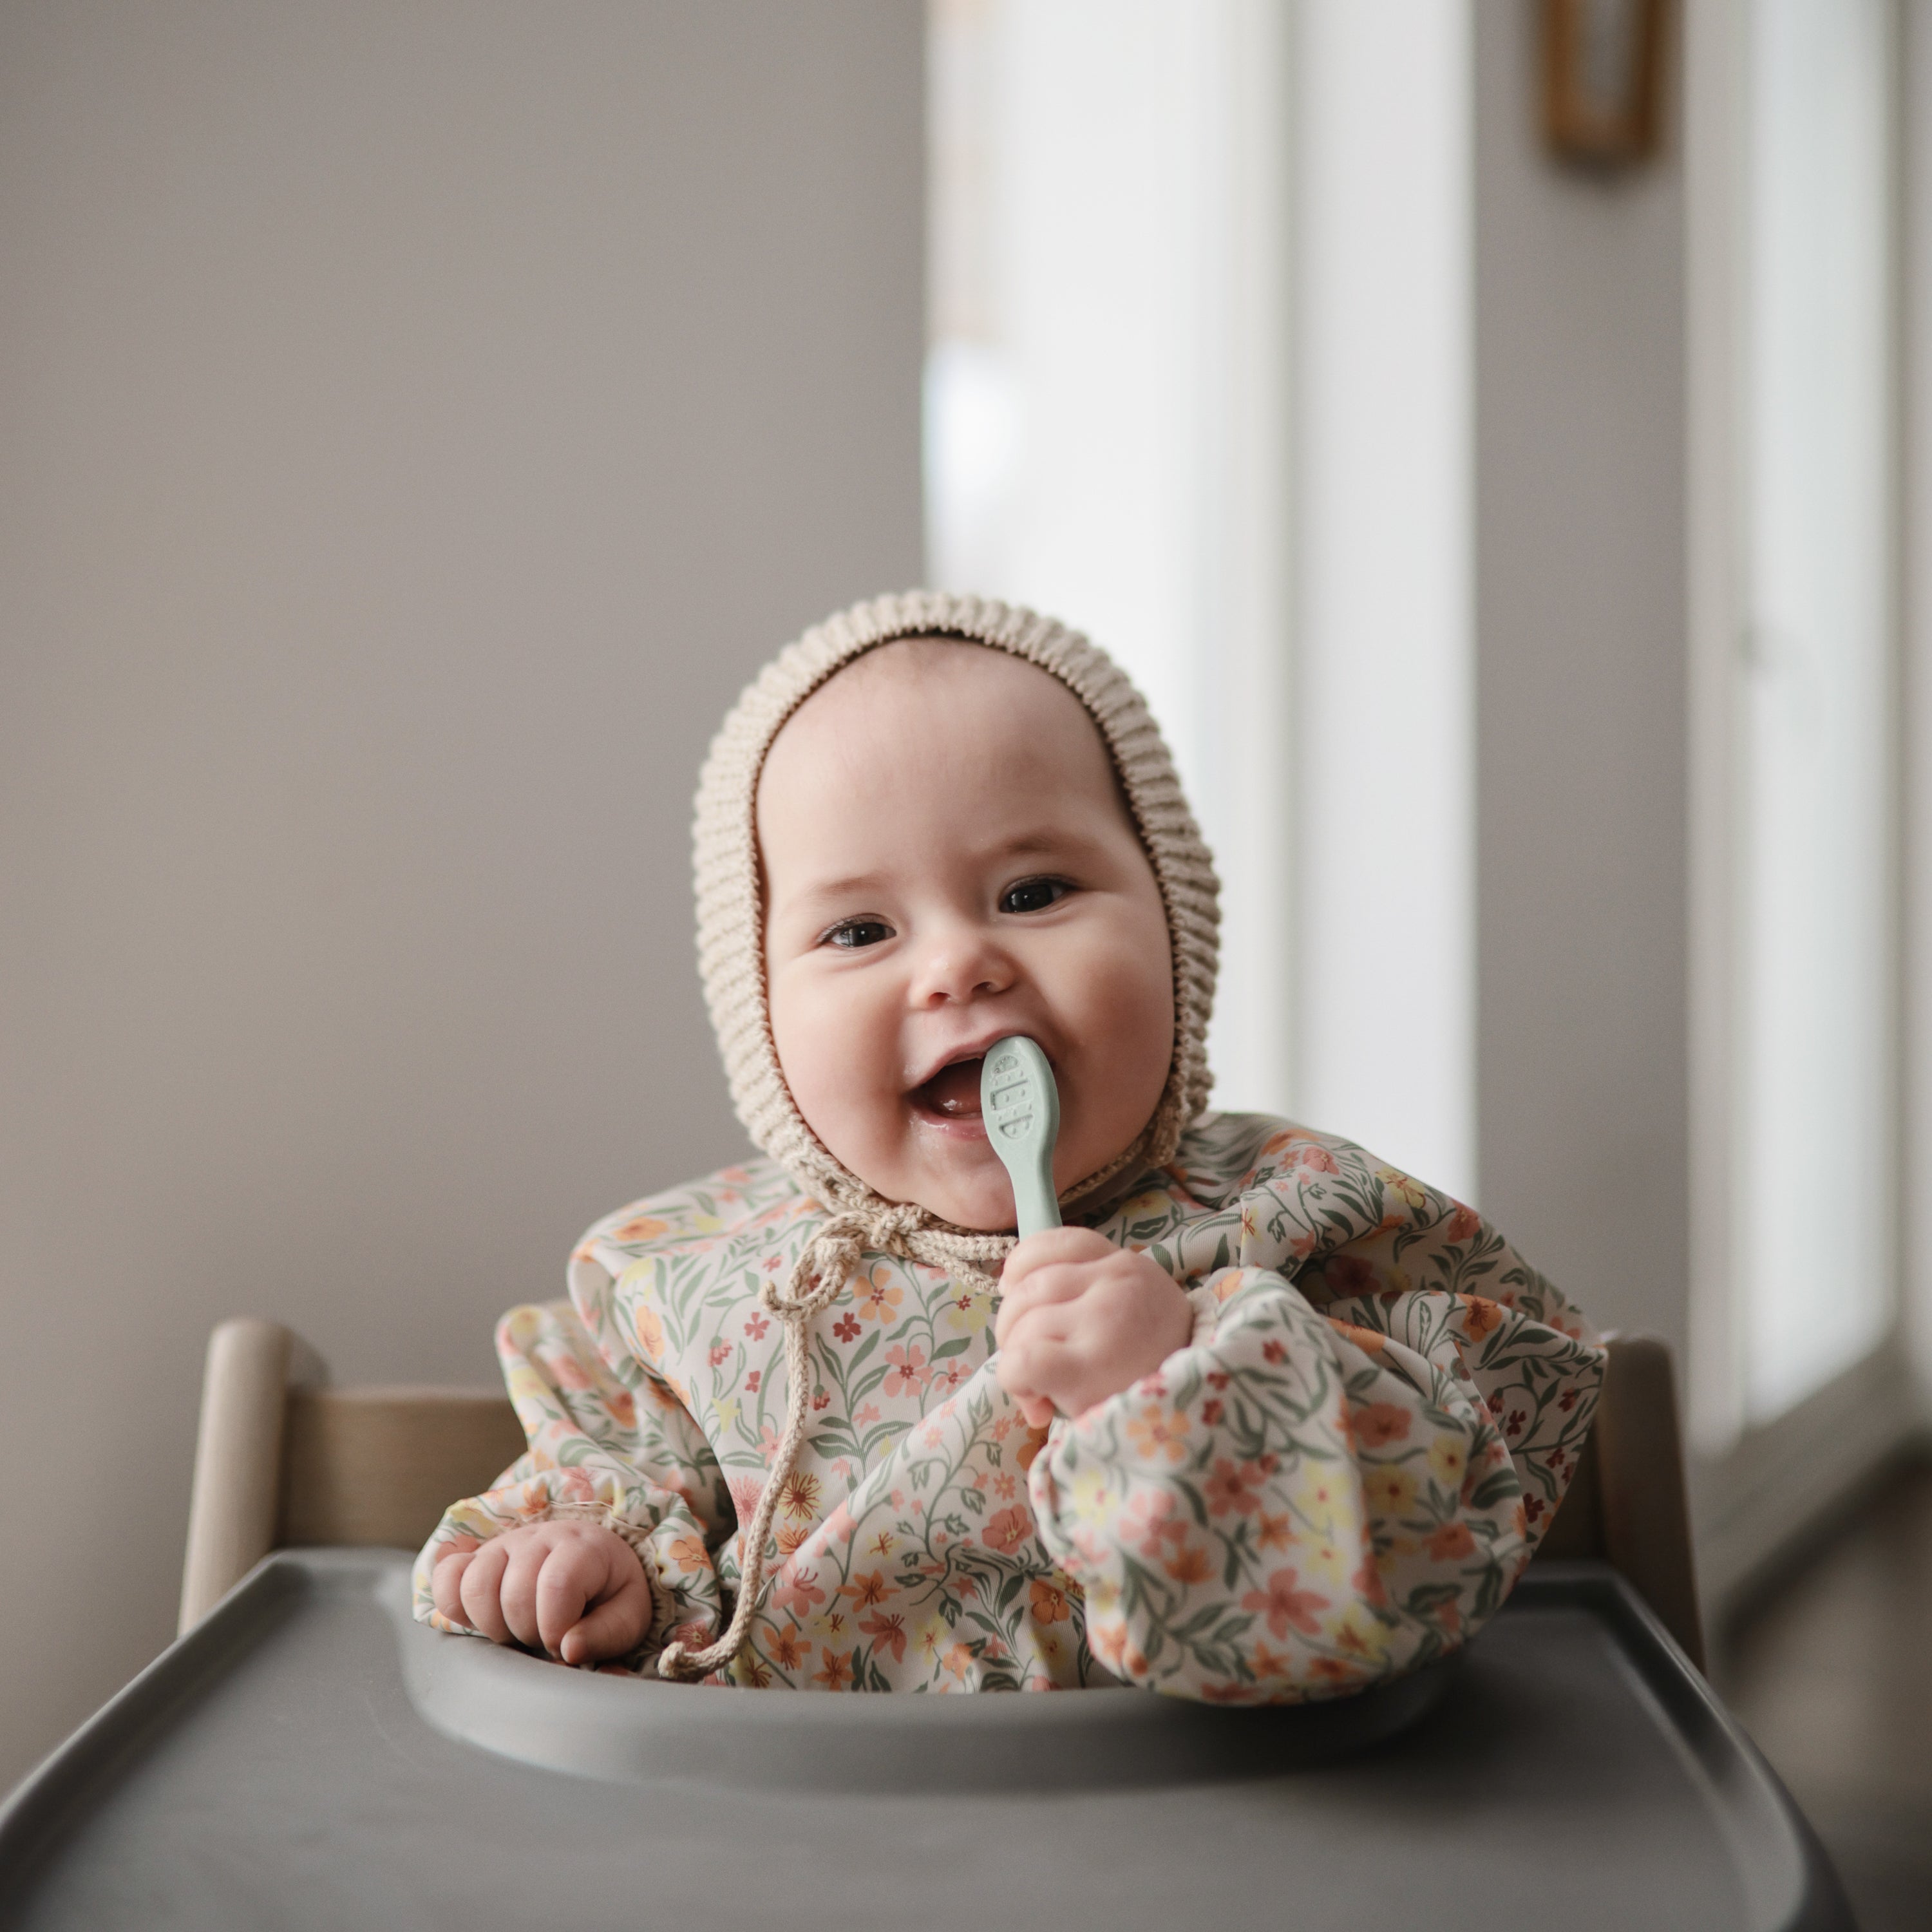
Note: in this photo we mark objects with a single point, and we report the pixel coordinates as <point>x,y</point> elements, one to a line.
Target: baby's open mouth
<point>953,1093</point>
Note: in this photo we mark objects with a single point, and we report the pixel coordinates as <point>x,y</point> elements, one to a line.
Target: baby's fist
<point>577,1590</point>
<point>1081,1320</point>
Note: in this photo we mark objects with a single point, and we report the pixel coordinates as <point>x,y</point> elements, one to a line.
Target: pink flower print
<point>837,1670</point>
<point>1284,1606</point>
<point>1368,1581</point>
<point>1377,1424</point>
<point>1003,1487</point>
<point>641,1228</point>
<point>1159,1433</point>
<point>946,1377</point>
<point>847,1327</point>
<point>1313,1159</point>
<point>1007,1529</point>
<point>797,1591</point>
<point>1349,1274</point>
<point>868,1415</point>
<point>745,1491</point>
<point>721,1353</point>
<point>799,1497</point>
<point>867,1588</point>
<point>1480,1316</point>
<point>1462,1223</point>
<point>1189,1564</point>
<point>566,1370</point>
<point>887,1632</point>
<point>1047,1600</point>
<point>1149,1518</point>
<point>1232,1488</point>
<point>756,1326</point>
<point>882,1295</point>
<point>752,1380</point>
<point>911,1372</point>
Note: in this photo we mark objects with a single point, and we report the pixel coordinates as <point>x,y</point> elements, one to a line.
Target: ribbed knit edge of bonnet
<point>731,940</point>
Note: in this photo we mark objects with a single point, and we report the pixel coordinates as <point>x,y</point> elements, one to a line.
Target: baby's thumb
<point>616,1625</point>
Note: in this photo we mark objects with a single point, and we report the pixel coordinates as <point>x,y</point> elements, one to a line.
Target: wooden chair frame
<point>279,1466</point>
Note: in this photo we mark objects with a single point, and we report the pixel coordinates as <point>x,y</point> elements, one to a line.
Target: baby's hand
<point>576,1589</point>
<point>1081,1320</point>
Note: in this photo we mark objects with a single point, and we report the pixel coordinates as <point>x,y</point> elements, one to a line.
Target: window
<point>1155,227</point>
<point>1813,1196</point>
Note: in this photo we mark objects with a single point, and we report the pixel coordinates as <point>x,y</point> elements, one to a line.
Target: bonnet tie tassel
<point>820,1274</point>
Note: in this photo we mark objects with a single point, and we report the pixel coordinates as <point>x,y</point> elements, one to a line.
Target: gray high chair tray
<point>309,1757</point>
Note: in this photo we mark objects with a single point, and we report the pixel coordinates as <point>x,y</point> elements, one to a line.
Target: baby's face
<point>947,859</point>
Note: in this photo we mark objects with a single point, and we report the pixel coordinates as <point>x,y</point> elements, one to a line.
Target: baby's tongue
<point>954,1089</point>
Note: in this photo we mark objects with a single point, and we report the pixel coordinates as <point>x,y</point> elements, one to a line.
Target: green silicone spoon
<point>1021,1106</point>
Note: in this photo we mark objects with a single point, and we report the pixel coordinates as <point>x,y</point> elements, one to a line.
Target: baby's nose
<point>959,963</point>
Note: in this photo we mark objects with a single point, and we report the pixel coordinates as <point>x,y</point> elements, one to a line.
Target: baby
<point>1267,1421</point>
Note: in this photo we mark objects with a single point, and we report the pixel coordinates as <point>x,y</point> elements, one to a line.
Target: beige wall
<point>416,421</point>
<point>1581,686</point>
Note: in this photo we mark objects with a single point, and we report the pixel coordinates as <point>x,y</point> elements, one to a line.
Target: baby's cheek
<point>838,1052</point>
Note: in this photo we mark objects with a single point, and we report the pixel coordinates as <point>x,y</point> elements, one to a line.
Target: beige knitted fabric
<point>730,952</point>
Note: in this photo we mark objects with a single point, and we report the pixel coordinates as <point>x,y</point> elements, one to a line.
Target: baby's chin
<point>970,1189</point>
<point>975,1199</point>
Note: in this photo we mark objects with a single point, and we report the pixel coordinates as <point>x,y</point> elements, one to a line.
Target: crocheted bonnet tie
<point>730,954</point>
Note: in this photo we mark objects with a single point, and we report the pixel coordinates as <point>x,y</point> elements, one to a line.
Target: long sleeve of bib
<point>1344,1474</point>
<point>611,1443</point>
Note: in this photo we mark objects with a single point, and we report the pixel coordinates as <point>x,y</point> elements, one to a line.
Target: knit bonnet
<point>730,953</point>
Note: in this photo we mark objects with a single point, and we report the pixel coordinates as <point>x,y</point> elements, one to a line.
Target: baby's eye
<point>1033,894</point>
<point>852,933</point>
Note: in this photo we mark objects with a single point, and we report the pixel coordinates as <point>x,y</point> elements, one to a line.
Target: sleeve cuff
<point>663,1606</point>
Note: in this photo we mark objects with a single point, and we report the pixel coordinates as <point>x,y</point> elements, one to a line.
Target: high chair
<point>279,1466</point>
<point>308,1752</point>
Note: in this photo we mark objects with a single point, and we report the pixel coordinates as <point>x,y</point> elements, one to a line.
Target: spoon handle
<point>1021,1106</point>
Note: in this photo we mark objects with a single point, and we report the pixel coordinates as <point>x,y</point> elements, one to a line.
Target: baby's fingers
<point>567,1581</point>
<point>616,1626</point>
<point>480,1591</point>
<point>446,1583</point>
<point>1052,1245</point>
<point>1057,1282</point>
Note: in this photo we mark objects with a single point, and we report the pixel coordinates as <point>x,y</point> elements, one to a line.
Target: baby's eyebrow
<point>854,885</point>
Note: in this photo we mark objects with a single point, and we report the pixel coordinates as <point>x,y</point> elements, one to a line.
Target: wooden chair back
<point>277,1467</point>
<point>1627,1503</point>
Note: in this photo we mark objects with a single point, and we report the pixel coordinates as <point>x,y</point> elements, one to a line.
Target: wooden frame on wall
<point>1603,79</point>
